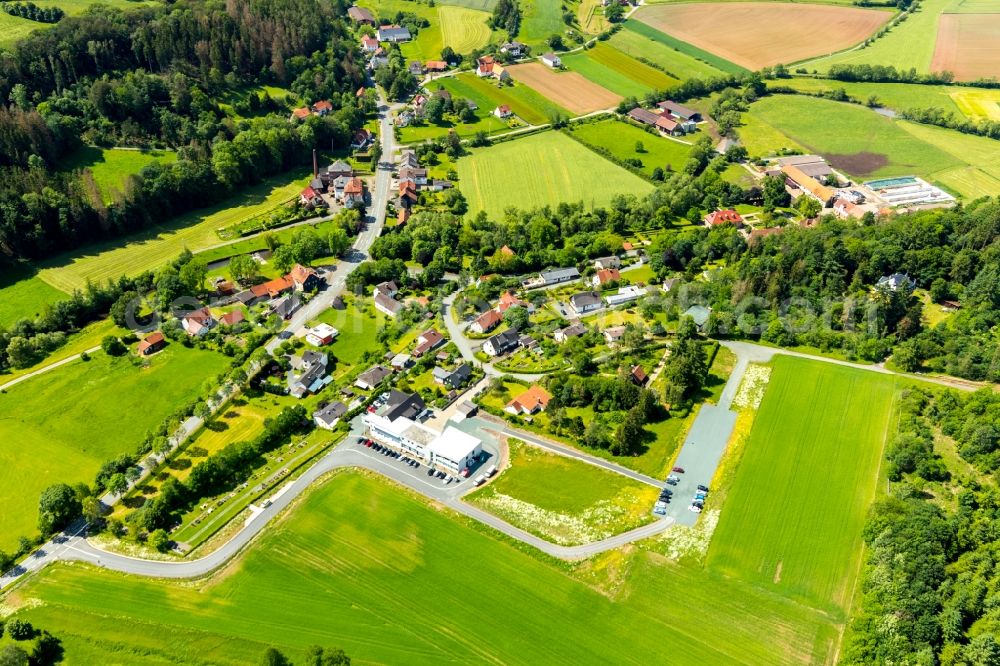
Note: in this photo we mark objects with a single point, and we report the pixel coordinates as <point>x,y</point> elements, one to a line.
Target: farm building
<point>801,183</point>
<point>551,60</point>
<point>488,67</point>
<point>811,165</point>
<point>613,334</point>
<point>304,278</point>
<point>676,110</point>
<point>644,116</point>
<point>699,314</point>
<point>386,305</point>
<point>393,33</point>
<point>360,15</point>
<point>503,112</point>
<point>625,295</point>
<point>515,49</point>
<point>151,344</point>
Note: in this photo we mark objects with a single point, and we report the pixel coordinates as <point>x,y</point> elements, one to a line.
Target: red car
<point>679,470</point>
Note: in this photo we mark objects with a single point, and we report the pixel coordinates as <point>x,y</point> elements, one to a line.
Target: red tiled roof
<point>531,400</point>
<point>299,273</point>
<point>150,340</point>
<point>436,65</point>
<point>323,105</point>
<point>302,113</point>
<point>354,186</point>
<point>728,216</point>
<point>201,315</point>
<point>231,318</point>
<point>309,193</point>
<point>272,287</point>
<point>507,300</point>
<point>608,275</point>
<point>489,319</point>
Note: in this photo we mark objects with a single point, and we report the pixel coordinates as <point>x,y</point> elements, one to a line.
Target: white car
<point>695,508</point>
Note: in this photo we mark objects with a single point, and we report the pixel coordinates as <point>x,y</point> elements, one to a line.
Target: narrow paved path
<point>46,368</point>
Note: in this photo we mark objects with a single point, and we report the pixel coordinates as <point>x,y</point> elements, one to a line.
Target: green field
<point>357,324</point>
<point>540,20</point>
<point>865,144</point>
<point>897,96</point>
<point>667,41</point>
<point>543,169</point>
<point>618,72</point>
<point>13,28</point>
<point>529,106</point>
<point>383,585</point>
<point>565,500</point>
<point>23,295</point>
<point>620,138</point>
<point>978,104</point>
<point>463,29</point>
<point>909,44</point>
<point>50,435</point>
<point>972,7</point>
<point>148,249</point>
<point>792,520</point>
<point>112,167</point>
<point>680,65</point>
<point>86,338</point>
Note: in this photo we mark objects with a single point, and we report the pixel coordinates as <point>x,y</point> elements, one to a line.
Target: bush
<point>19,630</point>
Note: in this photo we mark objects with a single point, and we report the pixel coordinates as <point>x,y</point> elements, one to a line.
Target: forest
<point>154,77</point>
<point>931,580</point>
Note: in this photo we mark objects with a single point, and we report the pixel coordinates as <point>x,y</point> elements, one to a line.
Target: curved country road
<point>74,547</point>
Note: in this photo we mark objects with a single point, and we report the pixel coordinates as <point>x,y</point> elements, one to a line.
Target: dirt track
<point>757,34</point>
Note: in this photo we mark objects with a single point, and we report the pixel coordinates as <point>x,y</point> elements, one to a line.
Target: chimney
<point>315,165</point>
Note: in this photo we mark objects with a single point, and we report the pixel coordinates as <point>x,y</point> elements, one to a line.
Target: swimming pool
<point>892,182</point>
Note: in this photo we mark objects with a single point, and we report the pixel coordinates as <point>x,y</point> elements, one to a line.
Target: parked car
<point>694,508</point>
<point>702,488</point>
<point>430,471</point>
<point>679,470</point>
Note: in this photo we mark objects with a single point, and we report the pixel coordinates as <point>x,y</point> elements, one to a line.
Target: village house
<point>643,116</point>
<point>393,34</point>
<point>813,166</point>
<point>845,209</point>
<point>372,377</point>
<point>354,193</point>
<point>699,315</point>
<point>453,379</point>
<point>323,107</point>
<point>308,373</point>
<point>553,276</point>
<point>362,138</point>
<point>435,65</point>
<point>310,197</point>
<point>151,344</point>
<point>198,322</point>
<point>550,59</point>
<point>896,282</point>
<point>613,334</point>
<point>721,217</point>
<point>571,331</point>
<point>338,169</point>
<point>509,300</point>
<point>607,262</point>
<point>503,112</point>
<point>486,322</point>
<point>400,362</point>
<point>488,67</point>
<point>585,301</point>
<point>501,343</point>
<point>514,48</point>
<point>284,306</point>
<point>232,318</point>
<point>604,276</point>
<point>369,44</point>
<point>304,278</point>
<point>360,15</point>
<point>670,284</point>
<point>329,416</point>
<point>389,289</point>
<point>532,401</point>
<point>416,68</point>
<point>415,175</point>
<point>321,334</point>
<point>387,306</point>
<point>428,341</point>
<point>638,375</point>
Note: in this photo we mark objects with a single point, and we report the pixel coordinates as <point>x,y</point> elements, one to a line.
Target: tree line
<point>32,12</point>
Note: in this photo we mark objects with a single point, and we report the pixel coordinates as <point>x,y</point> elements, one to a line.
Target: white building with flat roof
<point>451,450</point>
<point>454,450</point>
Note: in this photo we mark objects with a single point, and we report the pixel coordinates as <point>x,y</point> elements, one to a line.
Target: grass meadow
<point>897,96</point>
<point>111,167</point>
<point>14,28</point>
<point>145,250</point>
<point>620,138</point>
<point>617,71</point>
<point>463,29</point>
<point>542,169</point>
<point>865,144</point>
<point>907,44</point>
<point>540,20</point>
<point>564,499</point>
<point>23,295</point>
<point>88,337</point>
<point>679,65</point>
<point>50,435</point>
<point>793,517</point>
<point>362,565</point>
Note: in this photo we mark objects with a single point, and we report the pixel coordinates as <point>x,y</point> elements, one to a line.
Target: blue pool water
<point>891,182</point>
